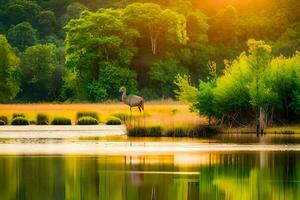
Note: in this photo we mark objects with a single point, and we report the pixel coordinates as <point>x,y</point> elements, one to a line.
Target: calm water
<point>175,176</point>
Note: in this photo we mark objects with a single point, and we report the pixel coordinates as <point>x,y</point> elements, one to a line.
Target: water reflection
<point>254,175</point>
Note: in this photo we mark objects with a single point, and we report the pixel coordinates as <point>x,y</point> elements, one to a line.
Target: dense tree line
<point>58,50</point>
<point>254,86</point>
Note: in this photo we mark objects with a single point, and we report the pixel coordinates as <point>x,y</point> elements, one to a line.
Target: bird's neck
<point>124,95</point>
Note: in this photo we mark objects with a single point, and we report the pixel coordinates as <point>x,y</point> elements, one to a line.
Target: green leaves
<point>9,71</point>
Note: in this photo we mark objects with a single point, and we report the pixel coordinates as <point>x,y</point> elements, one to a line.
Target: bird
<point>132,100</point>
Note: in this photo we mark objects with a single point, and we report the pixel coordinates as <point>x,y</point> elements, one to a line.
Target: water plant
<point>42,119</point>
<point>113,121</point>
<point>87,114</point>
<point>202,131</point>
<point>87,120</point>
<point>61,121</point>
<point>19,121</point>
<point>4,119</point>
<point>177,132</point>
<point>139,131</point>
<point>2,123</point>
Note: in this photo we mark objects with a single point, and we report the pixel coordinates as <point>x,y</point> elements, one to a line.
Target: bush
<point>122,116</point>
<point>2,123</point>
<point>61,121</point>
<point>153,131</point>
<point>87,121</point>
<point>4,119</point>
<point>19,121</point>
<point>42,119</point>
<point>113,121</point>
<point>16,115</point>
<point>203,131</point>
<point>32,122</point>
<point>87,114</point>
<point>177,132</point>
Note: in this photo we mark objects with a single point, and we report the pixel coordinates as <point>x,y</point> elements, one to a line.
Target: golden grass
<point>156,113</point>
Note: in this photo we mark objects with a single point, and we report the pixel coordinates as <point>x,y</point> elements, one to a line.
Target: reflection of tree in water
<point>256,175</point>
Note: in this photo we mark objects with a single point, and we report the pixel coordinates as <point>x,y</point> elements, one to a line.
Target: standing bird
<point>132,100</point>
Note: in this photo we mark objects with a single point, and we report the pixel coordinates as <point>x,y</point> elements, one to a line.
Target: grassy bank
<point>160,113</point>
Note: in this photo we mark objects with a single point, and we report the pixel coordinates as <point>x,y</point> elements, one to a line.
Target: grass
<point>61,121</point>
<point>87,120</point>
<point>159,113</point>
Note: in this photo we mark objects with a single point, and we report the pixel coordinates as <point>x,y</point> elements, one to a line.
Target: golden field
<point>167,113</point>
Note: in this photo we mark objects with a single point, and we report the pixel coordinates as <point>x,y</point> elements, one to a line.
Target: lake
<point>117,168</point>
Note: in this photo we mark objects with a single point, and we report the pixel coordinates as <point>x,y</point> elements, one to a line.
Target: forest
<point>85,50</point>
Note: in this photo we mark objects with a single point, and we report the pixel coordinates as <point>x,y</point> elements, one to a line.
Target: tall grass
<point>164,114</point>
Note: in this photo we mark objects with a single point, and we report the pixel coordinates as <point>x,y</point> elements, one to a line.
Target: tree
<point>156,24</point>
<point>22,35</point>
<point>9,71</point>
<point>164,73</point>
<point>223,26</point>
<point>21,11</point>
<point>41,72</point>
<point>46,23</point>
<point>196,27</point>
<point>95,41</point>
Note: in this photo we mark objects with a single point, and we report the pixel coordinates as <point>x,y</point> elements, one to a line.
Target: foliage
<point>93,52</point>
<point>4,119</point>
<point>2,123</point>
<point>113,121</point>
<point>163,73</point>
<point>152,131</point>
<point>177,132</point>
<point>87,121</point>
<point>42,119</point>
<point>19,121</point>
<point>87,114</point>
<point>61,121</point>
<point>9,71</point>
<point>120,42</point>
<point>17,115</point>
<point>22,35</point>
<point>41,73</point>
<point>253,80</point>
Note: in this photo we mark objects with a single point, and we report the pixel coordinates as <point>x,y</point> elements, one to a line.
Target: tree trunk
<point>262,120</point>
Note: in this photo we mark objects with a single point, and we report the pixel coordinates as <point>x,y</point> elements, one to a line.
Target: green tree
<point>22,35</point>
<point>163,73</point>
<point>18,11</point>
<point>46,23</point>
<point>155,24</point>
<point>9,72</point>
<point>41,72</point>
<point>223,26</point>
<point>95,41</point>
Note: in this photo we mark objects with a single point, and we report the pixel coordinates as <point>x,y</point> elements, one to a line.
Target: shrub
<point>32,122</point>
<point>203,131</point>
<point>87,114</point>
<point>153,131</point>
<point>4,119</point>
<point>2,123</point>
<point>122,116</point>
<point>15,115</point>
<point>19,121</point>
<point>113,121</point>
<point>87,121</point>
<point>177,132</point>
<point>42,119</point>
<point>61,121</point>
